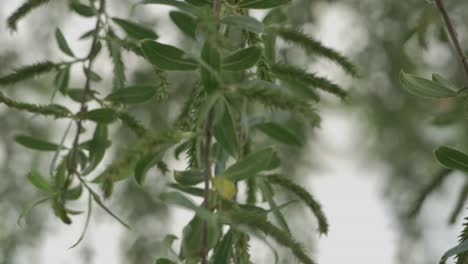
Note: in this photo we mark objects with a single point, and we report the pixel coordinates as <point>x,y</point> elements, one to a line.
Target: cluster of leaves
<point>451,159</point>
<point>234,61</point>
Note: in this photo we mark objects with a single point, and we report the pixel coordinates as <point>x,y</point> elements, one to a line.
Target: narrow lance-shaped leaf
<point>242,59</point>
<point>280,133</point>
<point>190,177</point>
<point>226,134</point>
<point>40,182</point>
<point>441,80</point>
<point>62,43</point>
<point>133,94</point>
<point>244,22</point>
<point>102,115</point>
<point>62,79</point>
<point>186,23</point>
<point>250,165</point>
<point>211,56</point>
<point>262,4</point>
<point>81,9</point>
<point>451,158</point>
<point>98,146</point>
<point>458,249</point>
<point>145,164</point>
<point>223,251</point>
<point>36,144</point>
<point>424,88</point>
<point>167,57</point>
<point>135,30</point>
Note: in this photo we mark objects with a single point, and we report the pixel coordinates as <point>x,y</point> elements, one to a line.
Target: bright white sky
<point>362,230</point>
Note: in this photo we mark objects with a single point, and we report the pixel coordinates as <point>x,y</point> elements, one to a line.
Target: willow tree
<point>241,95</point>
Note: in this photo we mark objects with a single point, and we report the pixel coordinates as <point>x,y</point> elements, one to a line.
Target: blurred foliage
<point>397,129</point>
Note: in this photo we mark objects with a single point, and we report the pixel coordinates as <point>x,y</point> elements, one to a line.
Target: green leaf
<point>441,80</point>
<point>262,4</point>
<point>79,95</point>
<point>40,182</point>
<point>280,133</point>
<point>135,30</point>
<point>211,56</point>
<point>178,4</point>
<point>60,211</point>
<point>74,193</point>
<point>187,189</point>
<point>25,211</point>
<point>62,79</point>
<point>164,261</point>
<point>223,251</point>
<point>226,134</point>
<point>36,144</point>
<point>250,165</point>
<point>451,158</point>
<point>62,43</point>
<point>458,249</point>
<point>424,88</point>
<point>191,242</point>
<point>245,22</point>
<point>133,94</point>
<point>81,9</point>
<point>189,178</point>
<point>102,115</point>
<point>145,164</point>
<point>97,147</point>
<point>242,59</point>
<point>186,23</point>
<point>225,187</point>
<point>167,57</point>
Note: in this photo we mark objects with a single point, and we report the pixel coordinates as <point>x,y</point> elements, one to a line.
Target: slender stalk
<point>453,35</point>
<point>207,157</point>
<point>208,176</point>
<point>87,87</point>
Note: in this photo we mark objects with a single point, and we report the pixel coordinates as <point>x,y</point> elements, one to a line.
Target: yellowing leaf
<point>225,187</point>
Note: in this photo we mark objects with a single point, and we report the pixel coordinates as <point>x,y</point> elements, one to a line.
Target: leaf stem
<point>453,35</point>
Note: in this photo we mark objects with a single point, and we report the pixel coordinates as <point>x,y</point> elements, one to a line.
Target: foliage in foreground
<point>238,82</point>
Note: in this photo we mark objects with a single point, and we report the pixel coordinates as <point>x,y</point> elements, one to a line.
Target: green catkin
<point>305,196</point>
<point>23,10</point>
<point>290,72</point>
<point>282,238</point>
<point>433,184</point>
<point>132,123</point>
<point>277,99</point>
<point>463,257</point>
<point>53,110</point>
<point>313,46</point>
<point>241,248</point>
<point>119,67</point>
<point>27,72</point>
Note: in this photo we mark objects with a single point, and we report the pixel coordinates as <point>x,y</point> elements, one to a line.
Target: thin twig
<point>453,35</point>
<point>207,157</point>
<point>206,193</point>
<point>87,88</point>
